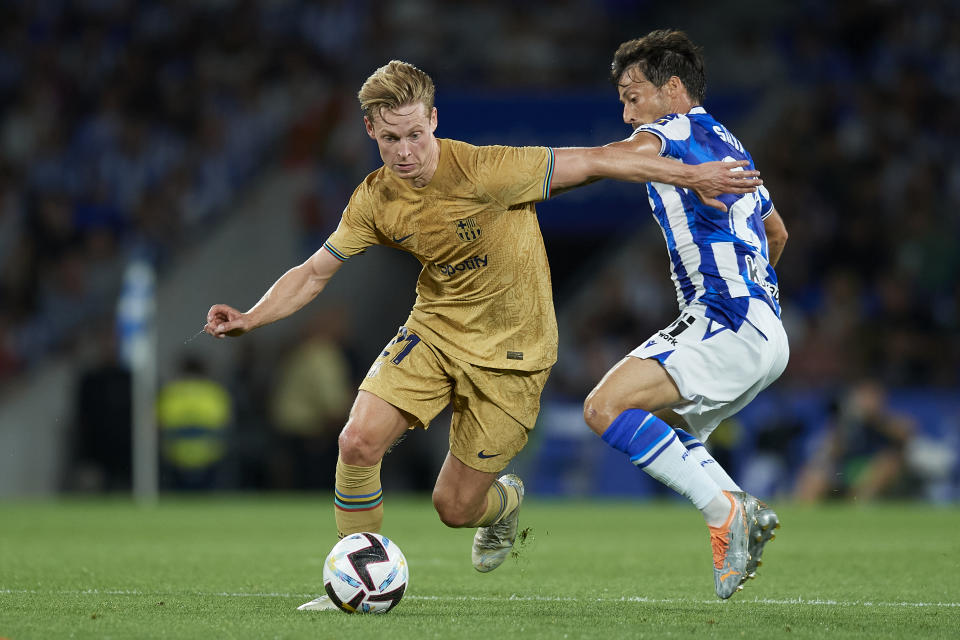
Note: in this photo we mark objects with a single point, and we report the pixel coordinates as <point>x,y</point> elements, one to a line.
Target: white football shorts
<point>718,370</point>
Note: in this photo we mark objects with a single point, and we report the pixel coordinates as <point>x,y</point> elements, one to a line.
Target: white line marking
<point>512,597</point>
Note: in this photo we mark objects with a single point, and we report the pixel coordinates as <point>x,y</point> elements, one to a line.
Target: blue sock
<point>639,434</point>
<point>654,447</point>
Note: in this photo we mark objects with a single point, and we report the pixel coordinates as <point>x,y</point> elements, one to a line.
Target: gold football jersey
<point>484,294</point>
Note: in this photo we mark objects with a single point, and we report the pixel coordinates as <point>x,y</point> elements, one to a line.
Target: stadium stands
<point>130,126</point>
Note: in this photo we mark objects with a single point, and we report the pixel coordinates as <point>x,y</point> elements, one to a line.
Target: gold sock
<point>501,500</point>
<point>357,499</point>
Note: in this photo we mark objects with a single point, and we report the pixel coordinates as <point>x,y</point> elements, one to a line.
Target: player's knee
<point>452,511</point>
<point>598,411</point>
<point>356,448</point>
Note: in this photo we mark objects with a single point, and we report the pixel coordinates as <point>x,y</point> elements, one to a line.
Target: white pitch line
<point>512,598</point>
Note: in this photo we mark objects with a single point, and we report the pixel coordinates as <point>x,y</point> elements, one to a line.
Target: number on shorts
<point>411,341</point>
<point>681,325</point>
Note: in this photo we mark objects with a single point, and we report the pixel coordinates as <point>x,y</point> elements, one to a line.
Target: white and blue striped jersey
<point>717,258</point>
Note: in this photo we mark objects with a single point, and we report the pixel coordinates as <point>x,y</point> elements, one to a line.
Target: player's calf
<point>453,511</point>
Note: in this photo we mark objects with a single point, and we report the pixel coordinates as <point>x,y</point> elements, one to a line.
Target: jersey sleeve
<point>766,205</point>
<point>356,230</point>
<point>514,175</point>
<point>674,133</point>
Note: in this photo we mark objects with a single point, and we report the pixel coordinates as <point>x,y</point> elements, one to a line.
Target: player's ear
<point>675,86</point>
<point>433,120</point>
<point>369,126</point>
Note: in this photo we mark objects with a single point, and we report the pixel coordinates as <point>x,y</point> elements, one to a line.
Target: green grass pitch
<point>237,567</point>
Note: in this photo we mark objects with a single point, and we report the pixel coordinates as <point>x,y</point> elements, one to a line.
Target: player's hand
<point>223,320</point>
<point>720,177</point>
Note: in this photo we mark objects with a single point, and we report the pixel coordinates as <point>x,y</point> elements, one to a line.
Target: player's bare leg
<point>460,495</point>
<point>373,426</point>
<point>631,383</point>
<point>466,497</point>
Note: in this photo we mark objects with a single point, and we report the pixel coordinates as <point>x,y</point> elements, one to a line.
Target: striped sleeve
<point>336,253</point>
<point>548,178</point>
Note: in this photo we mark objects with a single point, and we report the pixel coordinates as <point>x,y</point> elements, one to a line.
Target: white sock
<point>654,447</point>
<point>676,468</point>
<point>717,512</point>
<point>711,466</point>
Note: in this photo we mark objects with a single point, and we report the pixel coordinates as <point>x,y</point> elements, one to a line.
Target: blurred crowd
<point>129,126</point>
<point>126,126</point>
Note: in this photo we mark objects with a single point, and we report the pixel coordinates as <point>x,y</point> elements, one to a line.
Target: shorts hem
<point>420,422</point>
<point>482,464</point>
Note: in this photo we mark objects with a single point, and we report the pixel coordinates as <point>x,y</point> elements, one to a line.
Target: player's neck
<point>683,104</point>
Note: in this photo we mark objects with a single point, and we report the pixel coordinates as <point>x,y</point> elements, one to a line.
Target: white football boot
<point>323,603</point>
<point>492,544</point>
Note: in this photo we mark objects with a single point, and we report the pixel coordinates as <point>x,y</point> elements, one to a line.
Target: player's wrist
<point>688,176</point>
<point>252,320</point>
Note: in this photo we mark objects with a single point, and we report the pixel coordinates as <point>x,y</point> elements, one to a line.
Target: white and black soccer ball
<point>365,573</point>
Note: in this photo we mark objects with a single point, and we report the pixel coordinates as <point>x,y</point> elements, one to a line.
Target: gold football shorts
<point>493,409</point>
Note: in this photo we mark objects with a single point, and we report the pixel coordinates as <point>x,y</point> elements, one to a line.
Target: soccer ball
<point>365,573</point>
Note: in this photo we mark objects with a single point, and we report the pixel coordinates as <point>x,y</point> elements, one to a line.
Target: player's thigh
<point>493,413</point>
<point>634,383</point>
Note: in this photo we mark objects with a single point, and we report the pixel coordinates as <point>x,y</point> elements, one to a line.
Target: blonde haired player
<point>482,334</point>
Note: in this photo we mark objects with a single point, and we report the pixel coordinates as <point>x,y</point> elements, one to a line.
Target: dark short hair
<point>661,55</point>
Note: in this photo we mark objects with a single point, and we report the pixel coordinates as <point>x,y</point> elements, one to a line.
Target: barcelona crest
<point>467,230</point>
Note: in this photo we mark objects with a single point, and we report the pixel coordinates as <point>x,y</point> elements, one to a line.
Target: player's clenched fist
<point>223,320</point>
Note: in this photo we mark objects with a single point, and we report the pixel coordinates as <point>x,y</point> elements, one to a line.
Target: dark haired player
<point>728,342</point>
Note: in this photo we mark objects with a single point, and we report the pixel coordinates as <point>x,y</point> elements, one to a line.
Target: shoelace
<point>498,531</point>
<point>719,542</point>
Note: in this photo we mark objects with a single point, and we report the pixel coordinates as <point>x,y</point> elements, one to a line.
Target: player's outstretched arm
<point>290,293</point>
<point>638,160</point>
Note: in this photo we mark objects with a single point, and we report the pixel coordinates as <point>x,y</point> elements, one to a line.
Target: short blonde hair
<point>394,85</point>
